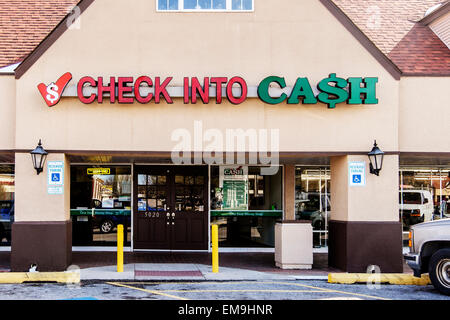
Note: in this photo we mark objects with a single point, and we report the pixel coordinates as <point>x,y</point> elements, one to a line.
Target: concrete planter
<point>294,245</point>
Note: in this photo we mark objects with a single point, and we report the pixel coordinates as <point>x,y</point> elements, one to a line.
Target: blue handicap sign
<point>56,177</point>
<point>357,178</point>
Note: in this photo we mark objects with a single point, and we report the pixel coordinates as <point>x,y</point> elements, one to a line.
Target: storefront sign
<point>52,93</point>
<point>333,90</point>
<point>128,90</point>
<point>98,171</point>
<point>357,173</point>
<point>55,173</point>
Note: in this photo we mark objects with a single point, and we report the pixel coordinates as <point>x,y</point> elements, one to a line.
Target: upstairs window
<point>205,5</point>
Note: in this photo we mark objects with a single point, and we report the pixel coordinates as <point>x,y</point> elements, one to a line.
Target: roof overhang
<point>436,14</point>
<point>363,39</point>
<point>51,38</point>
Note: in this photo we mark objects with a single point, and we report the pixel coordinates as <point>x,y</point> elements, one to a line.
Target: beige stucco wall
<point>289,191</point>
<point>376,201</point>
<point>287,38</point>
<point>7,112</point>
<point>32,201</point>
<point>424,114</point>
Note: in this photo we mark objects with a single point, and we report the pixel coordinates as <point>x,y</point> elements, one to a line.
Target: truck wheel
<point>439,270</point>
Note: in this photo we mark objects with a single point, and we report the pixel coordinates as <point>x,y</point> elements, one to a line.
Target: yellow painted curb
<point>21,277</point>
<point>391,278</point>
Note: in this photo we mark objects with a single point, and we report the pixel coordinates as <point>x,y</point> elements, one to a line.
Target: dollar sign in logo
<point>52,92</point>
<point>53,95</point>
<point>332,95</point>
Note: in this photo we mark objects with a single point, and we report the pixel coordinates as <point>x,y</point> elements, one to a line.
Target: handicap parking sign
<point>357,173</point>
<point>56,177</point>
<point>357,178</point>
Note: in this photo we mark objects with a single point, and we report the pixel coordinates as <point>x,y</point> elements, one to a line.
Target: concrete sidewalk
<point>186,272</point>
<point>193,266</point>
<point>189,266</point>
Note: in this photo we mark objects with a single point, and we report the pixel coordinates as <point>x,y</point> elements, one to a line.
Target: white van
<point>416,206</point>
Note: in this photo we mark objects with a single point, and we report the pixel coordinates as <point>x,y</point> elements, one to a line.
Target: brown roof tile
<point>385,22</point>
<point>421,52</point>
<point>389,24</point>
<point>392,25</point>
<point>25,23</point>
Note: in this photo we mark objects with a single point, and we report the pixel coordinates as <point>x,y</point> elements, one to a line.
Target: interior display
<point>234,187</point>
<point>100,199</point>
<point>245,204</point>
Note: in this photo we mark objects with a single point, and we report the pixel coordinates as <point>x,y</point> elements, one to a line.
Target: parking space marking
<point>212,290</point>
<point>198,282</point>
<point>242,290</point>
<point>307,289</point>
<point>341,298</point>
<point>145,290</point>
<point>334,291</point>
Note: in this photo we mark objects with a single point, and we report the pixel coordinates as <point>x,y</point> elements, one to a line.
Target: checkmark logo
<point>52,92</point>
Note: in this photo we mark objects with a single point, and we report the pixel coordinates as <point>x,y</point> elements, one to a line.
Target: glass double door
<point>171,207</point>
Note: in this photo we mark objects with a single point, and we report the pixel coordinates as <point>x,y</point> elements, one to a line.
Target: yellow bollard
<point>215,248</point>
<point>120,248</point>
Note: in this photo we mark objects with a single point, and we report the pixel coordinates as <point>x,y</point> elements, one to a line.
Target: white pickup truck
<point>429,244</point>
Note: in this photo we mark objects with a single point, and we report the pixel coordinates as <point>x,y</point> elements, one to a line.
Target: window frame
<point>181,8</point>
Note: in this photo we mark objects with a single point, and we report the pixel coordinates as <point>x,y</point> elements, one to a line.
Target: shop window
<point>6,203</point>
<point>242,5</point>
<point>423,196</point>
<point>205,5</point>
<point>168,5</point>
<point>100,199</point>
<point>312,200</point>
<point>245,204</point>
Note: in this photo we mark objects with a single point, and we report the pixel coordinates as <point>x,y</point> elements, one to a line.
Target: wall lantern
<point>38,157</point>
<point>376,159</point>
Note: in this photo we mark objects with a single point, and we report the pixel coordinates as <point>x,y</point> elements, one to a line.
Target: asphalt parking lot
<point>216,290</point>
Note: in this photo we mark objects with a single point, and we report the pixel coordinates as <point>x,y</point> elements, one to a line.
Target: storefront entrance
<point>170,207</point>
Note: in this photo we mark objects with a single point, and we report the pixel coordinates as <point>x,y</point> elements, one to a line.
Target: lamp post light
<point>376,159</point>
<point>38,157</point>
